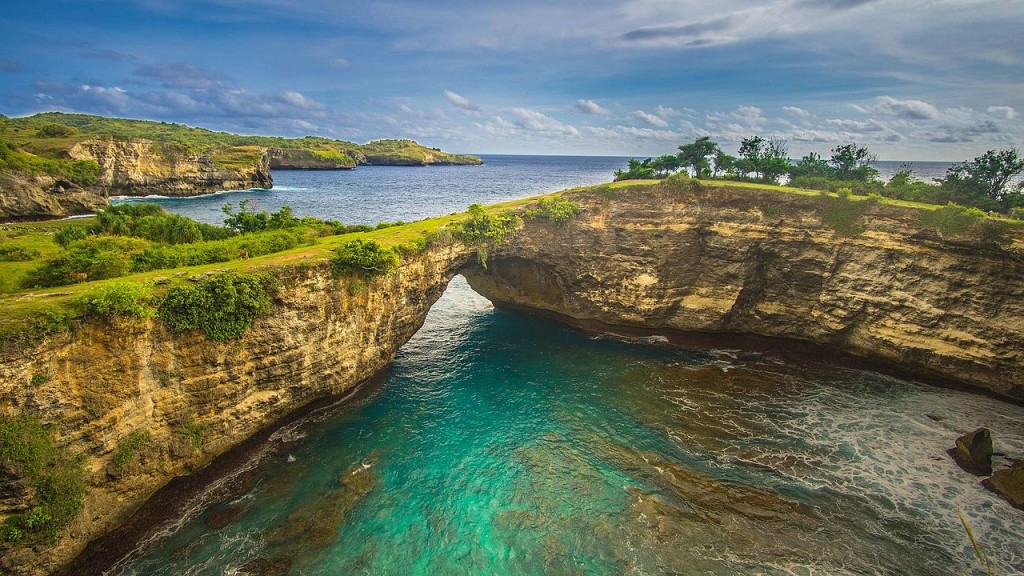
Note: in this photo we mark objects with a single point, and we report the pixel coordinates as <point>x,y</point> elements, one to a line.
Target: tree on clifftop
<point>987,181</point>
<point>850,162</point>
<point>697,154</point>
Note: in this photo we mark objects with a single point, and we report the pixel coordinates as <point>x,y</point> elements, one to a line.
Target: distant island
<point>55,164</point>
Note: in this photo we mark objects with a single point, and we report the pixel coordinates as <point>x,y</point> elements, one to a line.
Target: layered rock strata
<point>742,261</point>
<point>141,168</point>
<point>197,398</point>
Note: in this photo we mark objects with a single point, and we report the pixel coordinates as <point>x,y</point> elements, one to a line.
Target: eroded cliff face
<point>141,168</point>
<point>108,379</point>
<point>748,262</point>
<point>28,197</point>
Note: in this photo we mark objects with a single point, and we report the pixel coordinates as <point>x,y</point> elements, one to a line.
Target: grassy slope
<point>227,150</point>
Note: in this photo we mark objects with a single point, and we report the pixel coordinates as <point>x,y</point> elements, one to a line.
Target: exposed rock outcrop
<point>141,168</point>
<point>719,260</point>
<point>743,261</point>
<point>973,452</point>
<point>198,398</point>
<point>1009,483</point>
<point>27,197</point>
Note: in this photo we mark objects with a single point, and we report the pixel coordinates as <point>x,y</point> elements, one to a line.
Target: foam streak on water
<point>504,444</point>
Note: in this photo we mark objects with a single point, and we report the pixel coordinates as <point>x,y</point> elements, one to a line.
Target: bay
<point>499,443</point>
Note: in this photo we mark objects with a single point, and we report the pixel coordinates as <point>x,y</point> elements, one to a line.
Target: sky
<point>911,80</point>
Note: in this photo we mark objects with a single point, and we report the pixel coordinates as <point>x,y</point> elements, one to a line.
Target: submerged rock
<point>973,452</point>
<point>1009,483</point>
<point>225,517</point>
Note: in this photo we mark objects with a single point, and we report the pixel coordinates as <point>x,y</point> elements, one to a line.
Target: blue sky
<point>912,80</point>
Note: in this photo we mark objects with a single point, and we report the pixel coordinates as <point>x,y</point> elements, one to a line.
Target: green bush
<point>39,379</point>
<point>952,219</point>
<point>486,228</point>
<point>192,430</point>
<point>17,254</point>
<point>122,299</point>
<point>222,306</point>
<point>56,131</point>
<point>68,234</point>
<point>365,258</point>
<point>557,210</point>
<point>127,448</point>
<point>98,257</point>
<point>841,213</point>
<point>27,448</point>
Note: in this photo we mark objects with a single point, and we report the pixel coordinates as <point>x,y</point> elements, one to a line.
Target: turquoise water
<point>498,443</point>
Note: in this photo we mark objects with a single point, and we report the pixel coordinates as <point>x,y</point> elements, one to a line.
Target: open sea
<point>500,443</point>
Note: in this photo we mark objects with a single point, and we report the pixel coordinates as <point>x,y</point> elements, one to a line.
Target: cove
<point>507,444</point>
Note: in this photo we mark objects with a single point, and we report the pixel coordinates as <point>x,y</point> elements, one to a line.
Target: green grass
<point>229,151</point>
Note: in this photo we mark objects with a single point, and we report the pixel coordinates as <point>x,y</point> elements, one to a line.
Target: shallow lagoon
<point>500,443</point>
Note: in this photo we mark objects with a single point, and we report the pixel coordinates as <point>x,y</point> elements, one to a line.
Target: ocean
<point>500,443</point>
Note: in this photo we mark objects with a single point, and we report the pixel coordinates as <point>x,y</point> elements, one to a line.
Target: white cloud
<point>341,63</point>
<point>1004,112</point>
<point>589,107</point>
<point>462,102</point>
<point>535,121</point>
<point>649,118</point>
<point>908,109</point>
<point>798,112</point>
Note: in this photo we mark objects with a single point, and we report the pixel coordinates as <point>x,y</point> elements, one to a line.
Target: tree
<point>665,165</point>
<point>637,171</point>
<point>850,162</point>
<point>810,165</point>
<point>751,150</point>
<point>987,181</point>
<point>775,160</point>
<point>767,159</point>
<point>696,154</point>
<point>725,164</point>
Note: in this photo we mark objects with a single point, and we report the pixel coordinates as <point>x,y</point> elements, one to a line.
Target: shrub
<point>952,219</point>
<point>556,210</point>
<point>486,228</point>
<point>365,258</point>
<point>39,379</point>
<point>17,254</point>
<point>69,234</point>
<point>127,448</point>
<point>1017,213</point>
<point>841,213</point>
<point>222,307</point>
<point>56,131</point>
<point>51,319</point>
<point>98,257</point>
<point>192,430</point>
<point>122,299</point>
<point>27,448</point>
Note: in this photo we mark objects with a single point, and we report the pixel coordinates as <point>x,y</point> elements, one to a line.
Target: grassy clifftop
<point>51,135</point>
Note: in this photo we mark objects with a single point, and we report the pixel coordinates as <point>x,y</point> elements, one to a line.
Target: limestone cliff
<point>28,197</point>
<point>743,261</point>
<point>665,258</point>
<point>141,168</point>
<point>108,379</point>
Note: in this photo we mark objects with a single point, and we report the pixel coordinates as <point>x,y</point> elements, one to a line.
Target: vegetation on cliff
<point>222,307</point>
<point>52,474</point>
<point>988,182</point>
<point>49,136</point>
